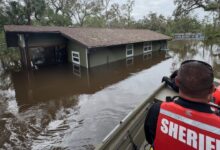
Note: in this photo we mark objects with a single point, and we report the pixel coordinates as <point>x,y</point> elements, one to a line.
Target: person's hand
<point>170,81</point>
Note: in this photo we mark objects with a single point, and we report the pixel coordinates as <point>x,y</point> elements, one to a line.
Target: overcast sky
<point>164,7</point>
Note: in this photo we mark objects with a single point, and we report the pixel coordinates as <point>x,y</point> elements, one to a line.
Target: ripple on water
<point>82,118</point>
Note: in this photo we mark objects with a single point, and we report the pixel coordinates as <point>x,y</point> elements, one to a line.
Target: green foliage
<point>14,12</point>
<point>92,13</point>
<point>186,24</point>
<point>211,30</point>
<point>9,57</point>
<point>168,25</point>
<point>58,13</point>
<point>52,19</point>
<point>34,8</point>
<point>186,6</point>
<point>103,13</point>
<point>156,23</point>
<point>94,22</point>
<point>212,33</point>
<point>21,12</point>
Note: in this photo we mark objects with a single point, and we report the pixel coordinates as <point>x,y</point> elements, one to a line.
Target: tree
<point>58,12</point>
<point>51,18</point>
<point>186,24</point>
<point>107,14</point>
<point>22,12</point>
<point>62,7</point>
<point>211,31</point>
<point>82,9</point>
<point>156,23</point>
<point>105,11</point>
<point>186,6</point>
<point>127,10</point>
<point>14,13</point>
<point>3,19</point>
<point>33,8</point>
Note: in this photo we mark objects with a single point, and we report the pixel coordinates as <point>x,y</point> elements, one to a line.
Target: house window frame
<point>147,56</point>
<point>148,46</point>
<point>76,57</point>
<point>129,49</point>
<point>129,61</point>
<point>77,70</point>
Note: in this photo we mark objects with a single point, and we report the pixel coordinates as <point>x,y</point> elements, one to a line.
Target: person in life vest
<point>187,123</point>
<point>216,96</point>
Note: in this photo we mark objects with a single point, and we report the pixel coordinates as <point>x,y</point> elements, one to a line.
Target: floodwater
<point>68,107</point>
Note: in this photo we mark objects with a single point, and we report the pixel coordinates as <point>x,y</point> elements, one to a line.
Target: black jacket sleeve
<point>150,124</point>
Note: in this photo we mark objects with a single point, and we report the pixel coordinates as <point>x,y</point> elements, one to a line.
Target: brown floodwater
<point>68,107</point>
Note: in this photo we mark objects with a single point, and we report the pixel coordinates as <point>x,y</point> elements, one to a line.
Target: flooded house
<point>56,82</point>
<point>86,47</point>
<point>189,36</point>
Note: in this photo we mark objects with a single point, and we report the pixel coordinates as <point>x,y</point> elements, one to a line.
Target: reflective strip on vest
<point>191,122</point>
<point>185,129</point>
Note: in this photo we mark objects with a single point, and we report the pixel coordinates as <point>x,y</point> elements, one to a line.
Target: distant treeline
<point>107,13</point>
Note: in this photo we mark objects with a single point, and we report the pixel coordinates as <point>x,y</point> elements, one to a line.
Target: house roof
<point>93,37</point>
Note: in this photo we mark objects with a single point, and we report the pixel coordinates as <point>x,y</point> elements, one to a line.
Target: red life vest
<point>216,95</point>
<point>179,128</point>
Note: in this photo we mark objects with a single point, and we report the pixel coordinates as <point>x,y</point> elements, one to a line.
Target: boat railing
<point>132,125</point>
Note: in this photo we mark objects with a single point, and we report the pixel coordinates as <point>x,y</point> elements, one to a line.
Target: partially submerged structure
<point>87,47</point>
<point>52,83</point>
<point>189,36</point>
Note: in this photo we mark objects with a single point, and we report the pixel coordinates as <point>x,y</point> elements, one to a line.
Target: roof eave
<point>31,31</point>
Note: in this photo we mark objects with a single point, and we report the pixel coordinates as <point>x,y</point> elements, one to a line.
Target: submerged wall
<point>105,55</point>
<point>77,47</point>
<point>54,46</point>
<point>45,40</point>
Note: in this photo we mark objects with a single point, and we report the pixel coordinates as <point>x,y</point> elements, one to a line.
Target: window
<point>147,47</point>
<point>77,70</point>
<point>129,50</point>
<point>129,61</point>
<point>75,57</point>
<point>147,56</point>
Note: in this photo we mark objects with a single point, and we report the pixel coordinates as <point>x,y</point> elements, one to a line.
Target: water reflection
<point>49,101</point>
<point>205,51</point>
<point>74,108</point>
<point>62,81</point>
<point>184,49</point>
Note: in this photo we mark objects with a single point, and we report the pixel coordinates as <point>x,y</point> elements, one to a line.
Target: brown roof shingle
<point>94,37</point>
